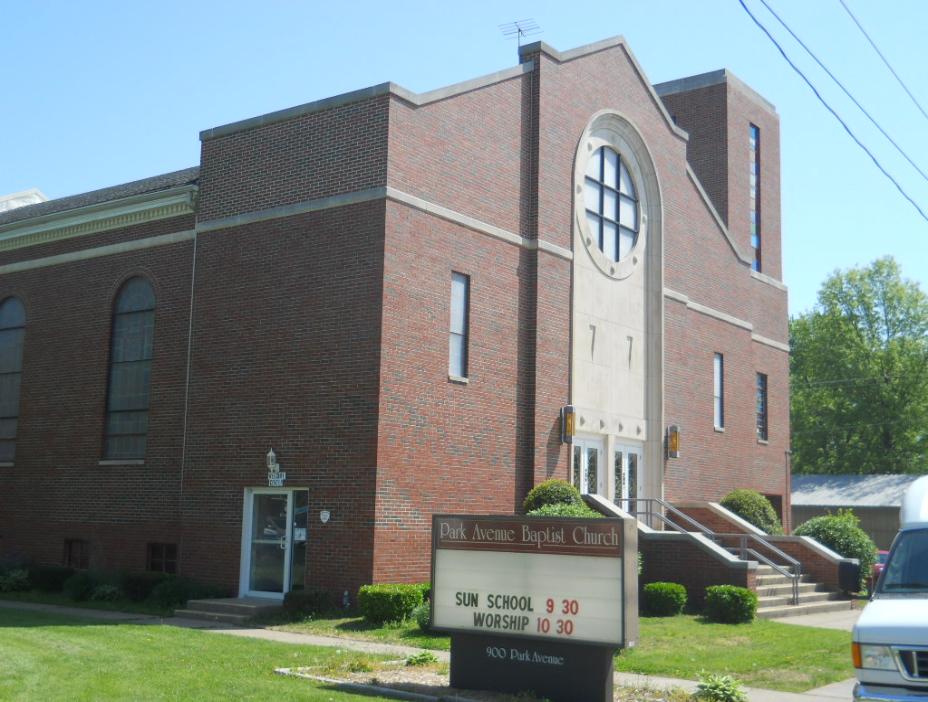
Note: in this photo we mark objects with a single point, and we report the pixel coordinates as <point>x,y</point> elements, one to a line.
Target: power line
<point>885,62</point>
<point>846,91</point>
<point>833,113</point>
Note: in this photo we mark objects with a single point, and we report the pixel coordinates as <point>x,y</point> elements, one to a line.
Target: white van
<point>890,641</point>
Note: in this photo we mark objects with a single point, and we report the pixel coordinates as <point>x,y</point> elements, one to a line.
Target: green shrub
<point>15,581</point>
<point>380,604</point>
<point>551,492</point>
<point>138,586</point>
<point>753,507</point>
<point>565,510</point>
<point>719,688</point>
<point>106,593</point>
<point>47,578</point>
<point>80,586</point>
<point>841,533</point>
<point>173,592</point>
<point>424,658</point>
<point>730,604</point>
<point>423,616</point>
<point>663,599</point>
<point>307,603</point>
<point>426,590</point>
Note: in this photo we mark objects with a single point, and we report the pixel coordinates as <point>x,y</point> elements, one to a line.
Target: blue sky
<point>98,93</point>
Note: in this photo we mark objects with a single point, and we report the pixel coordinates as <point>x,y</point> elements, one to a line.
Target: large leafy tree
<point>859,375</point>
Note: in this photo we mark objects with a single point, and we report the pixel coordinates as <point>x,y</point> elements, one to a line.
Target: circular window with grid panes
<point>611,204</point>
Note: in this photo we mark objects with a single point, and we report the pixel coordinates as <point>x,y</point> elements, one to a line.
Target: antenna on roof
<point>520,28</point>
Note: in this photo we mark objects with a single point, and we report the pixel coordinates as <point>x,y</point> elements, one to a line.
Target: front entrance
<point>274,533</point>
<point>628,467</point>
<point>589,473</point>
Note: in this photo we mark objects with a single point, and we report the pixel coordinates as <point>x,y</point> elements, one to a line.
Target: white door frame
<point>245,569</point>
<point>621,497</point>
<point>584,443</point>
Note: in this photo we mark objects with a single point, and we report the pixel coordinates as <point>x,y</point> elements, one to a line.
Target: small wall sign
<point>275,476</point>
<point>324,516</point>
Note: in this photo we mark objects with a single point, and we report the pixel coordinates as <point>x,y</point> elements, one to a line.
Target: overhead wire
<point>845,90</point>
<point>828,107</point>
<point>885,61</point>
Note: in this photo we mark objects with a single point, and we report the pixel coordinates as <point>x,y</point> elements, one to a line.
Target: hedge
<point>49,578</point>
<point>380,604</point>
<point>551,492</point>
<point>564,510</point>
<point>307,603</point>
<point>663,599</point>
<point>841,533</point>
<point>730,604</point>
<point>753,507</point>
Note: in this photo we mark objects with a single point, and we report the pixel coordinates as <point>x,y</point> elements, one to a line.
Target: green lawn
<point>52,657</point>
<point>763,654</point>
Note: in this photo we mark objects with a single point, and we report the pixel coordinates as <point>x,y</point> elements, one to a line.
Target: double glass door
<point>274,552</point>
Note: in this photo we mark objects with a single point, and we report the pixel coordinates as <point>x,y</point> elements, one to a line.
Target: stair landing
<point>228,610</point>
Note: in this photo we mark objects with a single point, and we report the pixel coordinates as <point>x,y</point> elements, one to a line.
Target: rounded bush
<point>753,507</point>
<point>173,592</point>
<point>565,510</point>
<point>138,586</point>
<point>380,604</point>
<point>15,581</point>
<point>307,603</point>
<point>841,533</point>
<point>729,604</point>
<point>663,599</point>
<point>80,586</point>
<point>423,616</point>
<point>551,492</point>
<point>49,578</point>
<point>106,593</point>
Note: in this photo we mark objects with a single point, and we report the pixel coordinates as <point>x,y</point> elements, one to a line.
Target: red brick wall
<point>57,489</point>
<point>286,354</point>
<point>335,150</point>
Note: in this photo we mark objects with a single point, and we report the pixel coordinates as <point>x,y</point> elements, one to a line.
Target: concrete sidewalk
<point>829,693</point>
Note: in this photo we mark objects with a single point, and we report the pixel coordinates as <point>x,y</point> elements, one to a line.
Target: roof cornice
<point>99,217</point>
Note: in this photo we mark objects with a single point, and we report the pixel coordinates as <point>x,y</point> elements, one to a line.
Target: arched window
<point>130,371</point>
<point>12,330</point>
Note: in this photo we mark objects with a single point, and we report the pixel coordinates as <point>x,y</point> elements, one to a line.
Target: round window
<point>611,203</point>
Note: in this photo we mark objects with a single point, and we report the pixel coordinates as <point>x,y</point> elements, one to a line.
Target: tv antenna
<point>520,28</point>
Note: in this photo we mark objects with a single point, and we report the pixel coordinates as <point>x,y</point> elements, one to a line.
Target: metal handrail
<point>743,548</point>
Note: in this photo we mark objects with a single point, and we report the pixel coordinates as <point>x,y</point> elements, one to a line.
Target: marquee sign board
<point>535,602</point>
<point>542,578</point>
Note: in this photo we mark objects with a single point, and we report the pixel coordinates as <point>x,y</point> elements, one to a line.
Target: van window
<point>907,568</point>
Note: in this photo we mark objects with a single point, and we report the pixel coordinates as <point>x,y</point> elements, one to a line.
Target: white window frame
<point>718,390</point>
<point>458,330</point>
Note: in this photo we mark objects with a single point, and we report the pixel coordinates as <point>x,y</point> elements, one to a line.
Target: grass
<point>62,600</point>
<point>49,656</point>
<point>764,654</point>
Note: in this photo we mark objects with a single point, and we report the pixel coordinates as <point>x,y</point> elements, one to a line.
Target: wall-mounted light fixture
<point>568,424</point>
<point>673,441</point>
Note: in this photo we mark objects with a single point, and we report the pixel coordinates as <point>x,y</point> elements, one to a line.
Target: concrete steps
<point>228,610</point>
<point>775,596</point>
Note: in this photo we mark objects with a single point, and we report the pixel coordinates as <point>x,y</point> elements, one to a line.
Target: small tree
<point>753,507</point>
<point>841,533</point>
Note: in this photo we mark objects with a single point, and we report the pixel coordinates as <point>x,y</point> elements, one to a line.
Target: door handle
<point>283,543</point>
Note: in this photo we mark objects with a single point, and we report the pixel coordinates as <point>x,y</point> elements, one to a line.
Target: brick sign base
<point>560,672</point>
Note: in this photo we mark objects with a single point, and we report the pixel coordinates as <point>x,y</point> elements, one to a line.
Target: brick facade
<point>303,304</point>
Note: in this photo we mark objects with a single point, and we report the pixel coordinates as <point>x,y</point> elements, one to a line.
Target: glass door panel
<point>268,542</point>
<point>300,534</point>
<point>627,465</point>
<point>588,477</point>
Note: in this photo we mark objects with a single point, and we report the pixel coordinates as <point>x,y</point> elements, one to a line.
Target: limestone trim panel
<point>389,193</point>
<point>100,217</point>
<point>123,247</point>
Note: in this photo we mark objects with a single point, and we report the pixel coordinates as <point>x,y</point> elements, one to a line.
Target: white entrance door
<point>629,470</point>
<point>274,534</point>
<point>589,473</point>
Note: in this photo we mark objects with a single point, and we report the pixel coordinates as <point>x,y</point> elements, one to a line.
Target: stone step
<point>786,588</point>
<point>202,615</point>
<point>238,606</point>
<point>787,599</point>
<point>795,610</point>
<point>777,579</point>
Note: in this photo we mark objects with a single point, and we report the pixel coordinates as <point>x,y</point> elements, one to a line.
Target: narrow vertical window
<point>761,406</point>
<point>718,390</point>
<point>130,370</point>
<point>12,331</point>
<point>754,149</point>
<point>457,338</point>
